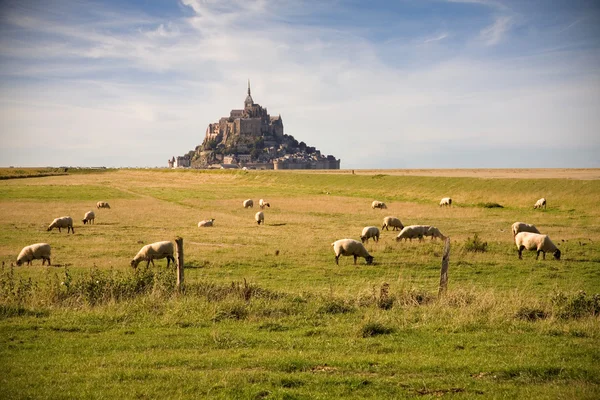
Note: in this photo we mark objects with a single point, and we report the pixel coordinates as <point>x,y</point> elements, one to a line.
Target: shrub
<point>489,205</point>
<point>475,245</point>
<point>576,306</point>
<point>385,301</point>
<point>374,329</point>
<point>336,306</point>
<point>531,314</point>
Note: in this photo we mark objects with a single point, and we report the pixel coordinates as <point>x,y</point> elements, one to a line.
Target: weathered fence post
<point>444,270</point>
<point>179,250</point>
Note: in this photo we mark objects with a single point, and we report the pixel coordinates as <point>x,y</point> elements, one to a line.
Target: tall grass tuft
<point>475,245</point>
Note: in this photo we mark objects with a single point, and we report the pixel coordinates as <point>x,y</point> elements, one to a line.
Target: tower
<point>248,102</point>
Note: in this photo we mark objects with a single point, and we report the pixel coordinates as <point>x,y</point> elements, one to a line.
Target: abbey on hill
<point>252,138</point>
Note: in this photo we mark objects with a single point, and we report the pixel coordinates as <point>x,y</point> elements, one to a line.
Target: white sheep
<point>378,204</point>
<point>418,232</point>
<point>540,203</point>
<point>369,232</point>
<point>393,222</point>
<point>89,216</point>
<point>102,204</point>
<point>262,204</point>
<point>154,251</point>
<point>536,242</point>
<point>446,202</point>
<point>62,222</point>
<point>34,252</point>
<point>248,203</point>
<point>260,217</point>
<point>523,227</point>
<point>206,223</point>
<point>350,247</point>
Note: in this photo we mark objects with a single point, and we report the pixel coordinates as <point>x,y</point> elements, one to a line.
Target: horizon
<point>434,84</point>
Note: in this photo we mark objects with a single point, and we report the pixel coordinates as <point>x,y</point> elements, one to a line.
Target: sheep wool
<point>369,232</point>
<point>446,202</point>
<point>392,222</point>
<point>540,203</point>
<point>523,227</point>
<point>262,204</point>
<point>378,204</point>
<point>259,217</point>
<point>34,252</point>
<point>350,247</point>
<point>412,232</point>
<point>154,251</point>
<point>206,223</point>
<point>89,216</point>
<point>248,203</point>
<point>102,204</point>
<point>536,242</point>
<point>62,222</point>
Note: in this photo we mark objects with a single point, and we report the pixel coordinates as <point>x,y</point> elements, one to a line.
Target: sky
<point>379,84</point>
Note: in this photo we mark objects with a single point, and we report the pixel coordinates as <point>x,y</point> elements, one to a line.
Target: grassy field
<point>266,313</point>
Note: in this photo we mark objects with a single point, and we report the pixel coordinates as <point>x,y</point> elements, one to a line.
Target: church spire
<point>249,102</point>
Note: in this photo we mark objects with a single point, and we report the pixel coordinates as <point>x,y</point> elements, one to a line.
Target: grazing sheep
<point>154,251</point>
<point>350,247</point>
<point>260,217</point>
<point>446,201</point>
<point>62,222</point>
<point>393,222</point>
<point>206,222</point>
<point>248,203</point>
<point>535,241</point>
<point>34,252</point>
<point>102,204</point>
<point>419,231</point>
<point>369,232</point>
<point>262,204</point>
<point>540,203</point>
<point>434,233</point>
<point>523,227</point>
<point>378,204</point>
<point>89,216</point>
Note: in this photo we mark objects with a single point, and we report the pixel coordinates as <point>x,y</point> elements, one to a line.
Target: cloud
<point>495,33</point>
<point>436,38</point>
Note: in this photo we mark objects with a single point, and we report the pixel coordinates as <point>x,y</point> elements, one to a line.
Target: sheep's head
<point>134,263</point>
<point>363,239</point>
<point>556,254</point>
<point>84,221</point>
<point>369,260</point>
<point>19,262</point>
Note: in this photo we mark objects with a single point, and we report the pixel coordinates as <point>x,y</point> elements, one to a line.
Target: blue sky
<point>379,84</point>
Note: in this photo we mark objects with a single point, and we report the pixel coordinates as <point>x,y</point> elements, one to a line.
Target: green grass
<point>266,313</point>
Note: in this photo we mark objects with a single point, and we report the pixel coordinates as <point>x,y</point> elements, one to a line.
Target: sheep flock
<point>526,236</point>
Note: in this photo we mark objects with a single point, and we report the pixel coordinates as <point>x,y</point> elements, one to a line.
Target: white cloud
<point>494,33</point>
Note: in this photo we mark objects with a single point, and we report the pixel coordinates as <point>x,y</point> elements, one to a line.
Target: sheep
<point>154,251</point>
<point>369,232</point>
<point>434,233</point>
<point>248,203</point>
<point>393,222</point>
<point>34,252</point>
<point>540,203</point>
<point>446,201</point>
<point>378,204</point>
<point>260,217</point>
<point>262,204</point>
<point>419,231</point>
<point>535,241</point>
<point>523,227</point>
<point>350,247</point>
<point>102,204</point>
<point>206,223</point>
<point>62,222</point>
<point>88,217</point>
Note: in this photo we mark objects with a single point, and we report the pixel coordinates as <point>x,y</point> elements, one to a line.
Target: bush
<point>475,245</point>
<point>336,306</point>
<point>489,205</point>
<point>375,328</point>
<point>576,306</point>
<point>531,314</point>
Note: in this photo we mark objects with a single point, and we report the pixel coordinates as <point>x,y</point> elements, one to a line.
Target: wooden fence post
<point>444,270</point>
<point>179,250</point>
